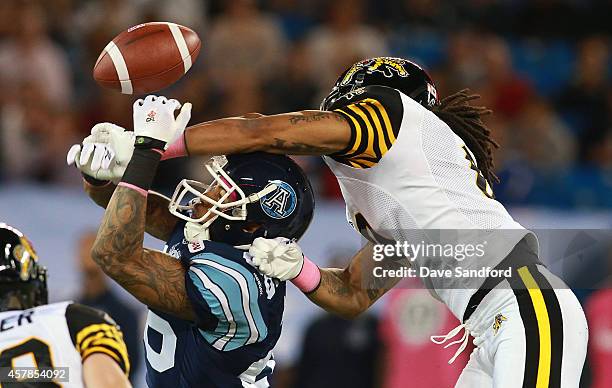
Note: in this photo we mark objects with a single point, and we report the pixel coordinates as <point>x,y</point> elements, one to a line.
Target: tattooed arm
<point>308,132</point>
<point>159,222</point>
<point>154,278</point>
<point>348,292</point>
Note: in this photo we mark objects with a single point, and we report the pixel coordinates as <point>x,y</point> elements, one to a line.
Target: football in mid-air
<point>147,58</point>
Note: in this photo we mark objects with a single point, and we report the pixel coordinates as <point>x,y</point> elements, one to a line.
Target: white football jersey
<point>59,335</point>
<point>406,174</point>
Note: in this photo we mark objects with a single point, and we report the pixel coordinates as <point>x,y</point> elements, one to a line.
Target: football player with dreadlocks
<point>35,334</point>
<point>213,319</point>
<point>413,167</point>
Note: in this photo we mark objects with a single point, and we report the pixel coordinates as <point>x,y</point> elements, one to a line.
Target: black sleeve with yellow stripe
<point>93,331</point>
<point>374,115</point>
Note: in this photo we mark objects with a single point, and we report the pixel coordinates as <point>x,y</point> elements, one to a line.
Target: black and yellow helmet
<point>23,282</point>
<point>397,73</point>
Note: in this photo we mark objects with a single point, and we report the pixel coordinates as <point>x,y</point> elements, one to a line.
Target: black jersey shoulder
<point>374,114</point>
<point>93,331</point>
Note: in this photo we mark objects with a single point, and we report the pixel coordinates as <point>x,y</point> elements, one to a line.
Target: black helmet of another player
<point>23,282</point>
<point>398,73</point>
<point>264,195</point>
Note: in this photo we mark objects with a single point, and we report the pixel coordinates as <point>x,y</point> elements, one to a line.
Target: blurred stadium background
<point>543,66</point>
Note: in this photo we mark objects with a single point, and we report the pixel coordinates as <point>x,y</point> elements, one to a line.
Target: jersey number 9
<point>40,356</point>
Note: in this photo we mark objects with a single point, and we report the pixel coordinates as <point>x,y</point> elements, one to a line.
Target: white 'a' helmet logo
<point>280,203</point>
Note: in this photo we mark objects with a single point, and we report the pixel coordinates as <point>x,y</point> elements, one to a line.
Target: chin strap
<point>195,232</point>
<point>255,197</point>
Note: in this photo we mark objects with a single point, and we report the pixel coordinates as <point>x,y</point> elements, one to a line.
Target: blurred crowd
<point>543,66</point>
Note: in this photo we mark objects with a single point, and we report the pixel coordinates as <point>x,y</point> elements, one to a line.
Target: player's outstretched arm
<point>154,278</point>
<point>101,371</point>
<point>346,292</point>
<point>308,132</point>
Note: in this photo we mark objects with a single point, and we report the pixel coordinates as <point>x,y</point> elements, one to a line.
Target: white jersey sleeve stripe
<point>244,288</point>
<point>220,295</point>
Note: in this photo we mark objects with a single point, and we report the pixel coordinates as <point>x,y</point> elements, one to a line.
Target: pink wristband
<point>309,278</point>
<point>178,149</point>
<point>134,187</point>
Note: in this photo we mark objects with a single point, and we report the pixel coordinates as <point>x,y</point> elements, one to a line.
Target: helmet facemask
<point>19,295</point>
<point>231,205</point>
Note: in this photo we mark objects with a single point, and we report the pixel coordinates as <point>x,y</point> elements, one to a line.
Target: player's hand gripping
<point>154,119</point>
<point>279,258</point>
<point>104,154</point>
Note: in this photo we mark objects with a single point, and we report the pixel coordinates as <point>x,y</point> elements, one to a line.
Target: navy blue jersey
<point>239,315</point>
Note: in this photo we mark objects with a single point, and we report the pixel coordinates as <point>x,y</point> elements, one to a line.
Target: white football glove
<point>154,118</point>
<point>105,154</point>
<point>279,258</point>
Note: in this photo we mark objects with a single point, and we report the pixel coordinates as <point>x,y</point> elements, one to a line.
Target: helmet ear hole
<point>251,227</point>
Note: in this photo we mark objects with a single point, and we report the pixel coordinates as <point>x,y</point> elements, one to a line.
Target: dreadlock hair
<point>466,122</point>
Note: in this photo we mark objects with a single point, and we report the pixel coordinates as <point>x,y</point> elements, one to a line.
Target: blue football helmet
<point>263,195</point>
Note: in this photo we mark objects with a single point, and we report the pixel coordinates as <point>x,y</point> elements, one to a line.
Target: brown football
<point>147,57</point>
